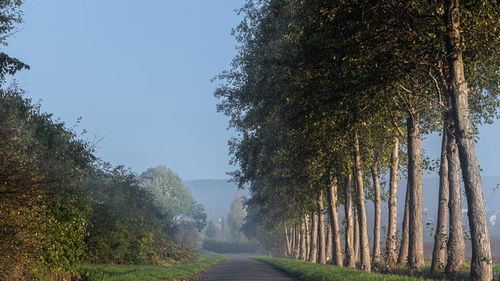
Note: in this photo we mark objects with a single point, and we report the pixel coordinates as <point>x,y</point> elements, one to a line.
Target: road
<point>245,269</point>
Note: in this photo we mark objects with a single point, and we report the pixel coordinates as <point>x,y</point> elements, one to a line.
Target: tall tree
<point>360,193</point>
<point>440,236</point>
<point>349,226</point>
<point>334,222</point>
<point>391,255</point>
<point>481,263</point>
<point>377,201</point>
<point>321,230</point>
<point>456,243</point>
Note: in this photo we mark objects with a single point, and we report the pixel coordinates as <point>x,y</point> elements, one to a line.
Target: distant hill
<point>215,195</point>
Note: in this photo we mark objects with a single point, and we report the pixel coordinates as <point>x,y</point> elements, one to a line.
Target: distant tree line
<point>61,206</point>
<point>328,95</point>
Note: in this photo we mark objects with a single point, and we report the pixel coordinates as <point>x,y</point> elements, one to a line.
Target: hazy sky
<point>139,72</point>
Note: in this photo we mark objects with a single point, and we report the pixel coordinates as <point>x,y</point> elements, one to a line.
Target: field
<point>116,272</point>
<point>322,272</point>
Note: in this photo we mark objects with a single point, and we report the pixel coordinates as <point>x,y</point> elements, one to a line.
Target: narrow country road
<point>245,269</point>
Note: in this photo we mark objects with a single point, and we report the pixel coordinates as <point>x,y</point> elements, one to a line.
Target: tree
<point>211,231</point>
<point>481,264</point>
<point>236,217</point>
<point>172,197</point>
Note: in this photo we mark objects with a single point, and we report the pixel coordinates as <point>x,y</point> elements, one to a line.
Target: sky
<point>138,73</point>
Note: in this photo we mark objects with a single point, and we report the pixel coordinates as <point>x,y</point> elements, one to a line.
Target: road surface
<point>245,269</point>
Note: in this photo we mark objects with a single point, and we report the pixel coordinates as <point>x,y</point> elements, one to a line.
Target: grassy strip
<point>322,272</point>
<point>462,275</point>
<point>117,272</point>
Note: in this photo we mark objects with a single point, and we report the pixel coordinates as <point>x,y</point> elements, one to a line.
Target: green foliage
<point>236,217</point>
<point>125,227</point>
<point>310,74</point>
<point>44,209</point>
<point>59,206</point>
<point>110,272</point>
<point>128,226</point>
<point>232,246</point>
<point>211,230</point>
<point>172,197</point>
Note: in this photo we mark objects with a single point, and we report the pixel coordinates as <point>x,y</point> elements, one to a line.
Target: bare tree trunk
<point>321,230</point>
<point>334,223</point>
<point>349,228</point>
<point>405,236</point>
<point>456,243</point>
<point>297,242</point>
<point>308,237</point>
<point>415,173</point>
<point>363,235</point>
<point>393,208</point>
<point>303,234</point>
<point>356,232</point>
<point>329,247</point>
<point>313,252</point>
<point>439,250</point>
<point>377,202</point>
<point>288,242</point>
<point>481,263</point>
<point>292,249</point>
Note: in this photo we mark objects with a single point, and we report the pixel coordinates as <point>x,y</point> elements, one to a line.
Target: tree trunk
<point>363,231</point>
<point>415,173</point>
<point>349,228</point>
<point>313,252</point>
<point>303,234</point>
<point>308,237</point>
<point>393,208</point>
<point>439,250</point>
<point>329,247</point>
<point>456,243</point>
<point>356,232</point>
<point>376,201</point>
<point>297,242</point>
<point>481,263</point>
<point>334,223</point>
<point>403,247</point>
<point>292,248</point>
<point>288,242</point>
<point>321,230</point>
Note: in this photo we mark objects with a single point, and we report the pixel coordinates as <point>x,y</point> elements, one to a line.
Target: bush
<point>218,246</point>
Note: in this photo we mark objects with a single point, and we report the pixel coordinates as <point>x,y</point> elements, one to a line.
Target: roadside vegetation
<point>117,272</point>
<point>317,272</point>
<point>324,272</point>
<point>221,246</point>
<point>331,100</point>
<point>61,206</point>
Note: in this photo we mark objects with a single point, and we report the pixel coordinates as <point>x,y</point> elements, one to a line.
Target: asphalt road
<point>245,269</point>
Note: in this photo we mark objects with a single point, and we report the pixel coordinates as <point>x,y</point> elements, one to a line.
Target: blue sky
<point>139,72</point>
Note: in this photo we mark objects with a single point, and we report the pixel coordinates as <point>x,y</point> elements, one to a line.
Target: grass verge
<point>462,275</point>
<point>117,272</point>
<point>322,272</point>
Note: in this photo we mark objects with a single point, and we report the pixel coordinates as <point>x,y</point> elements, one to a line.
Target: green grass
<point>463,275</point>
<point>116,272</point>
<point>322,272</point>
<point>318,272</point>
